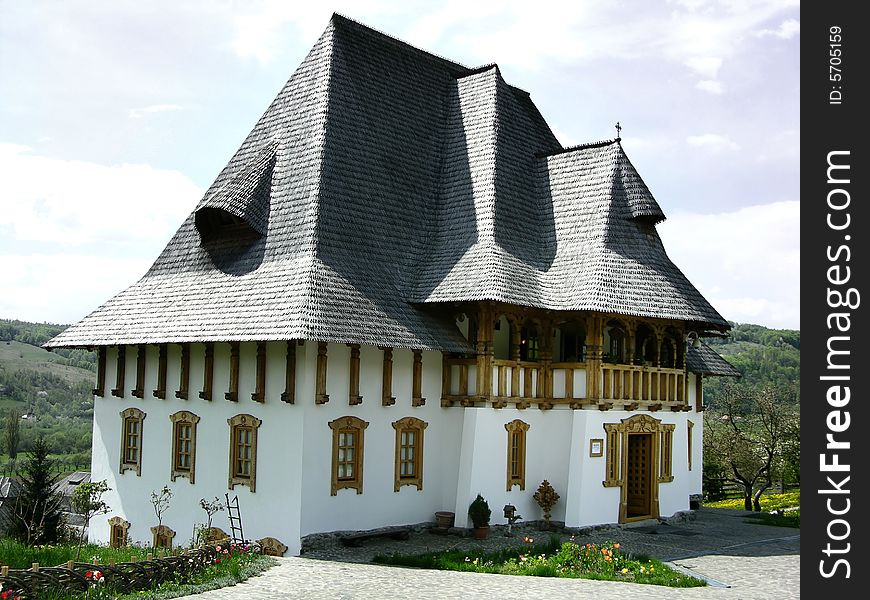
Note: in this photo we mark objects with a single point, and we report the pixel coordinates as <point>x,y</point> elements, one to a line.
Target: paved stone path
<point>756,561</point>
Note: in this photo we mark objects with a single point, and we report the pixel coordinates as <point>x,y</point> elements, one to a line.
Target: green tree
<point>11,433</point>
<point>87,500</point>
<point>746,436</point>
<point>37,513</point>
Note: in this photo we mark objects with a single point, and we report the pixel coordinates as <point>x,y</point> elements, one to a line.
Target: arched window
<point>409,452</point>
<point>347,453</point>
<point>570,342</point>
<point>183,445</point>
<point>645,342</point>
<point>615,342</point>
<point>516,453</point>
<point>131,440</point>
<point>530,342</point>
<point>243,451</point>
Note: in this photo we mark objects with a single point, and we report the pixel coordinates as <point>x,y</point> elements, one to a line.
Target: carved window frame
<point>119,530</point>
<point>666,453</point>
<point>689,430</point>
<point>181,419</point>
<point>341,429</point>
<point>516,453</point>
<point>407,428</point>
<point>243,424</point>
<point>131,439</point>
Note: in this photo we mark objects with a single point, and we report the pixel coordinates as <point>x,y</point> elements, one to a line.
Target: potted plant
<point>479,512</point>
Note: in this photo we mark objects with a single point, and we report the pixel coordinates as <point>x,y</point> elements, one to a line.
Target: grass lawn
<point>789,503</point>
<point>554,559</point>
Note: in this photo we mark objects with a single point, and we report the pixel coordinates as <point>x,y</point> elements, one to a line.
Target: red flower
<point>4,595</point>
<point>217,561</point>
<point>89,574</point>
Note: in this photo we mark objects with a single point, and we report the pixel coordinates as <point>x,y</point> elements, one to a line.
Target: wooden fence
<point>122,578</point>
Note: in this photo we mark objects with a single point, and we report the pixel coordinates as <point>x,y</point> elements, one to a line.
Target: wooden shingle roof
<point>382,181</point>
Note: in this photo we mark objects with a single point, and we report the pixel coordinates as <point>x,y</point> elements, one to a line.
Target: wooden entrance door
<point>638,483</point>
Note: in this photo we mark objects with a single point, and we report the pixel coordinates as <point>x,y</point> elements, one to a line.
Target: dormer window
<point>215,223</point>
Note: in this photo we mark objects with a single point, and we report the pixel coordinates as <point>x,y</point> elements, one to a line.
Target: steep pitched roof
<point>381,181</point>
<point>703,360</point>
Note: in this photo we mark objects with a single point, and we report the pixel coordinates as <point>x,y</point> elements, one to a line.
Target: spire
<point>618,129</point>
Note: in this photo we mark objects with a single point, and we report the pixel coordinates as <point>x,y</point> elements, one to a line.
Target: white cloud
<point>138,113</point>
<point>706,66</point>
<point>710,86</point>
<point>63,288</point>
<point>786,30</point>
<point>712,142</point>
<point>745,262</point>
<point>80,203</point>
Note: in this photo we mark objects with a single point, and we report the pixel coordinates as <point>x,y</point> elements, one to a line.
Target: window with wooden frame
<point>162,537</point>
<point>184,445</point>
<point>689,426</point>
<point>516,453</point>
<point>131,440</point>
<point>243,451</point>
<point>118,391</point>
<point>666,469</point>
<point>118,532</point>
<point>348,440</point>
<point>409,452</point>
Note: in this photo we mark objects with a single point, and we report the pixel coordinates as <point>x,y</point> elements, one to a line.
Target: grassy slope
<point>16,356</point>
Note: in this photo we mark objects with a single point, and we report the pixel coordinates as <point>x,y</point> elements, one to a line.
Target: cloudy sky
<point>116,115</point>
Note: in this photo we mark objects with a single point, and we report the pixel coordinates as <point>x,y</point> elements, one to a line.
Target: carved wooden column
<point>594,347</point>
<point>387,398</point>
<point>515,357</point>
<point>320,395</point>
<point>354,398</point>
<point>545,372</point>
<point>259,394</point>
<point>484,353</point>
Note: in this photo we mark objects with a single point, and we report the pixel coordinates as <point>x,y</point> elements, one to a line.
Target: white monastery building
<point>400,292</point>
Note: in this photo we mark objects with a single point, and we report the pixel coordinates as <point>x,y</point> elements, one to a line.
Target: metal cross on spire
<point>618,129</point>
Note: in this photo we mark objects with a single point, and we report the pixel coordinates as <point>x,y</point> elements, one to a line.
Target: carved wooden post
<point>417,398</point>
<point>184,374</point>
<point>289,393</point>
<point>259,394</point>
<point>354,397</point>
<point>484,353</point>
<point>515,357</point>
<point>233,394</point>
<point>320,395</point>
<point>387,398</point>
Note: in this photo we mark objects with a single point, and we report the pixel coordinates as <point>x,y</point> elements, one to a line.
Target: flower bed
<point>198,566</point>
<point>570,559</point>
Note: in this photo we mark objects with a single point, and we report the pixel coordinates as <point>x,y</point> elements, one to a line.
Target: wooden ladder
<point>235,517</point>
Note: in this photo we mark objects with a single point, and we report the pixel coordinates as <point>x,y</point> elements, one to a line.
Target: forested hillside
<point>763,356</point>
<point>47,393</point>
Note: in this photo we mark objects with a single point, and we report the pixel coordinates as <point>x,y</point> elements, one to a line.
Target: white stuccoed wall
<point>465,450</point>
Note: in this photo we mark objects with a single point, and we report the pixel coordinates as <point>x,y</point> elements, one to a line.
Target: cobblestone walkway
<point>756,561</point>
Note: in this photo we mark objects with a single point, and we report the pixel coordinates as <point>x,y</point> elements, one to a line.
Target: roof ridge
<point>337,16</point>
<point>586,146</point>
